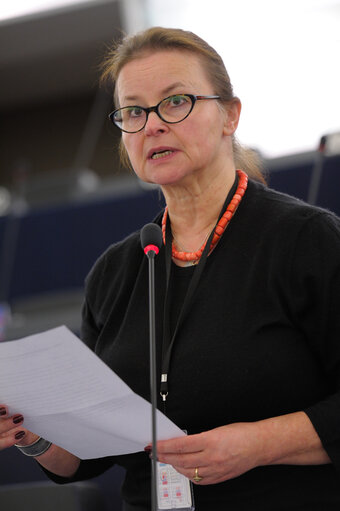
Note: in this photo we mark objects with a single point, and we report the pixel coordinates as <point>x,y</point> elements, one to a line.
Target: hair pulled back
<point>159,38</point>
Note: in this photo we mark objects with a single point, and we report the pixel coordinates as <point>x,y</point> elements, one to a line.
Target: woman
<point>253,372</point>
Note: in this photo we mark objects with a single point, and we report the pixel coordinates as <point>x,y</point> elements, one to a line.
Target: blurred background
<point>64,196</point>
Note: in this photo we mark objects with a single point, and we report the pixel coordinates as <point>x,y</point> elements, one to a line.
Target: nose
<point>155,125</point>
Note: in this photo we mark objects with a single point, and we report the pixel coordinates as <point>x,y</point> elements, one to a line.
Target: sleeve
<point>316,285</point>
<point>89,334</point>
<point>87,470</point>
<point>89,331</point>
<point>101,284</point>
<point>93,467</point>
<point>95,293</point>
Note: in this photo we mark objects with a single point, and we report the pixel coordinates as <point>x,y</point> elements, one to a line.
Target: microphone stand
<point>153,377</point>
<point>151,241</point>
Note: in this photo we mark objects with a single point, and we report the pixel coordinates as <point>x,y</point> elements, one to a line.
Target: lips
<point>156,156</point>
<point>159,152</point>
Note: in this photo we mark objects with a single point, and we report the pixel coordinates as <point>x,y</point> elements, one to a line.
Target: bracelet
<point>36,448</point>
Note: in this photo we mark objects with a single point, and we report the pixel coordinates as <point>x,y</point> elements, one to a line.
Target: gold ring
<point>196,477</point>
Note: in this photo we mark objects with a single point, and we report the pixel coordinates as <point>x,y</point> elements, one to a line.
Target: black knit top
<point>261,339</point>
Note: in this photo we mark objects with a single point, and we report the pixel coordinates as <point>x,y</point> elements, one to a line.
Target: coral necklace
<point>192,257</point>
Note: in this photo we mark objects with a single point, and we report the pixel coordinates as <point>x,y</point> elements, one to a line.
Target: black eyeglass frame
<point>147,110</point>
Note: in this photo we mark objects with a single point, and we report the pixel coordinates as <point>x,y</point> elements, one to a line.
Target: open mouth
<point>161,154</point>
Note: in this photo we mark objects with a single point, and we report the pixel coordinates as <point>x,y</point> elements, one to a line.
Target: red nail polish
<point>147,449</point>
<point>2,411</point>
<point>19,435</point>
<point>17,419</point>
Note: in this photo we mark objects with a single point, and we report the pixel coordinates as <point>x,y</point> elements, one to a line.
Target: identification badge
<point>174,490</point>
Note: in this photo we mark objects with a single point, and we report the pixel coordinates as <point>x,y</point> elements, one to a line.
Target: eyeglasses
<point>172,109</point>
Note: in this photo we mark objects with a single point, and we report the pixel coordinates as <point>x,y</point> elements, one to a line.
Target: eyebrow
<point>165,91</point>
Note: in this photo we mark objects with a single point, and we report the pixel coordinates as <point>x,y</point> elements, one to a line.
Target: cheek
<point>126,142</point>
<point>206,134</point>
<point>133,149</point>
<point>206,142</point>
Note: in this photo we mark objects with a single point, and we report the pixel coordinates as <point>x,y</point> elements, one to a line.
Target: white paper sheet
<point>70,397</point>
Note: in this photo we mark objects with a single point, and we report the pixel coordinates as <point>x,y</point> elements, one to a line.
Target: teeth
<point>155,156</point>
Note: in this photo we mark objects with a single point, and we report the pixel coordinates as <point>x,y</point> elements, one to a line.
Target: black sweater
<point>261,339</point>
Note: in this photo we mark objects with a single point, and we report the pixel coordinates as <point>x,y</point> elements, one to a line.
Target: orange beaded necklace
<point>220,227</point>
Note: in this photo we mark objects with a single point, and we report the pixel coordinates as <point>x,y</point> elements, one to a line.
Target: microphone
<point>151,240</point>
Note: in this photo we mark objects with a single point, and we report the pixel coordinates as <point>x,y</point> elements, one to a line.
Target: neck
<point>194,209</point>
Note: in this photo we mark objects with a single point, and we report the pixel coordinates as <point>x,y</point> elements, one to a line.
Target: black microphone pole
<point>151,240</point>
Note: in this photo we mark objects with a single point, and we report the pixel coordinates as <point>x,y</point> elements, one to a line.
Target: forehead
<point>161,73</point>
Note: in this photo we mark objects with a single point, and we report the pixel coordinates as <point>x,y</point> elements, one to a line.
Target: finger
<point>204,474</point>
<point>10,423</point>
<point>211,479</point>
<point>12,437</point>
<point>185,461</point>
<point>3,411</point>
<point>20,435</point>
<point>185,444</point>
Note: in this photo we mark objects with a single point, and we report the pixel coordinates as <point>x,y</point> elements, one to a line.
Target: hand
<point>219,454</point>
<point>56,459</point>
<point>12,431</point>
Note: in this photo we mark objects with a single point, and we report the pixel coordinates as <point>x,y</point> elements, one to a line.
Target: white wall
<point>283,59</point>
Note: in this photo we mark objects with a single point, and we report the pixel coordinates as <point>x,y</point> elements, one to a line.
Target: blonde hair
<point>158,38</point>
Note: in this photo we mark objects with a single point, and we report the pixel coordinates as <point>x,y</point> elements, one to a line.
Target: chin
<point>165,178</point>
<point>167,182</point>
<point>164,174</point>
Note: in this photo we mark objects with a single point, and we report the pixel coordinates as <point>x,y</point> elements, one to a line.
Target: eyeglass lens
<point>172,109</point>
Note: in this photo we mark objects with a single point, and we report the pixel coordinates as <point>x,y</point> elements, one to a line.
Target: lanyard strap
<point>168,340</point>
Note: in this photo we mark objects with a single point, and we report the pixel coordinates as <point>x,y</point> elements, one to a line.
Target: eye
<point>177,100</point>
<point>134,112</point>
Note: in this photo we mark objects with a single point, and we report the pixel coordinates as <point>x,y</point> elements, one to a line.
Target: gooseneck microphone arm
<point>151,241</point>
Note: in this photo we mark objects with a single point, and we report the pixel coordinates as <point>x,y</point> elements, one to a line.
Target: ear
<point>232,116</point>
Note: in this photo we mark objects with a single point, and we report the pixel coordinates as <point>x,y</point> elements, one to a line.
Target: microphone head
<point>151,238</point>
